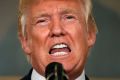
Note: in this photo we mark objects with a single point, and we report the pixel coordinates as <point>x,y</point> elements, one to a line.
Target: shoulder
<point>86,78</point>
<point>28,76</point>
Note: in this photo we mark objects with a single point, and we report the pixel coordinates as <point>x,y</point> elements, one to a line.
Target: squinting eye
<point>70,17</point>
<point>41,21</point>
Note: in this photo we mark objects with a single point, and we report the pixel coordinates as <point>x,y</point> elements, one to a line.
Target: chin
<point>68,66</point>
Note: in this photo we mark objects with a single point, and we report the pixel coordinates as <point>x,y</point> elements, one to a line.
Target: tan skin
<point>57,21</point>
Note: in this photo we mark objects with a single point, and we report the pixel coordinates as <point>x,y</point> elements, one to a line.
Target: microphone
<point>55,71</point>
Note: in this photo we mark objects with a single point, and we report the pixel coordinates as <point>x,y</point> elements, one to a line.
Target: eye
<point>42,21</point>
<point>69,17</point>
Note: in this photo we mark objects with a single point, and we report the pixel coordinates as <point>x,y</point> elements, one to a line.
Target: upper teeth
<point>60,46</point>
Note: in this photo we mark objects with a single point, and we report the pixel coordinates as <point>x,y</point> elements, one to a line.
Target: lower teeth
<point>59,54</point>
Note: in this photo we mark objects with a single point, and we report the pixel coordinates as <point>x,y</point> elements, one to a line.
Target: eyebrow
<point>62,11</point>
<point>67,11</point>
<point>41,14</point>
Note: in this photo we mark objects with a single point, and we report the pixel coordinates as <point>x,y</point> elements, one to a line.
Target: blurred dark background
<point>104,59</point>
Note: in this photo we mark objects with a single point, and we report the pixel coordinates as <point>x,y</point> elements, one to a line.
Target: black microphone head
<point>55,71</point>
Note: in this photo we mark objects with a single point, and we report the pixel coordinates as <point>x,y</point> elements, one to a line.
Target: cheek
<point>77,32</point>
<point>78,35</point>
<point>38,35</point>
<point>37,38</point>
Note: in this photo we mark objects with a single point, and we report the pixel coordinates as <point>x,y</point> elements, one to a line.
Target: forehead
<point>35,2</point>
<point>56,5</point>
<point>25,4</point>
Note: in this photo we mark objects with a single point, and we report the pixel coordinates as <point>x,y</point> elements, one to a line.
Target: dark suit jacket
<point>28,76</point>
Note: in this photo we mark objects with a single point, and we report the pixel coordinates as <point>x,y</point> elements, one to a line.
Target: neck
<point>78,77</point>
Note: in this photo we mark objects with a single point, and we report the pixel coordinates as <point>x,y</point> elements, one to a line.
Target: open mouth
<point>60,49</point>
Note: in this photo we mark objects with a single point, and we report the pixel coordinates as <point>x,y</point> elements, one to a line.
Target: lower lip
<point>61,56</point>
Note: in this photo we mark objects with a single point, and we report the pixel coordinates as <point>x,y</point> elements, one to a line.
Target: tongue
<point>59,50</point>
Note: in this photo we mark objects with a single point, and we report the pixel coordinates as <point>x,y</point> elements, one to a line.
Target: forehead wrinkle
<point>28,3</point>
<point>61,9</point>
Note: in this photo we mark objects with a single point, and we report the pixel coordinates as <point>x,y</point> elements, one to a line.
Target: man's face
<point>57,32</point>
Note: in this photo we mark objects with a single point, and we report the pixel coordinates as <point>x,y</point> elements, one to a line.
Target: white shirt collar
<point>37,76</point>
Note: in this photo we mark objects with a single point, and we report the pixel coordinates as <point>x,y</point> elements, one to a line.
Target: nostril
<point>57,35</point>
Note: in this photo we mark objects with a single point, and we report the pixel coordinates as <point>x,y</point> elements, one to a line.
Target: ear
<point>92,30</point>
<point>25,44</point>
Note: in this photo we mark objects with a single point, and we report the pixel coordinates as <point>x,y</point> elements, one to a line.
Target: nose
<point>57,29</point>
